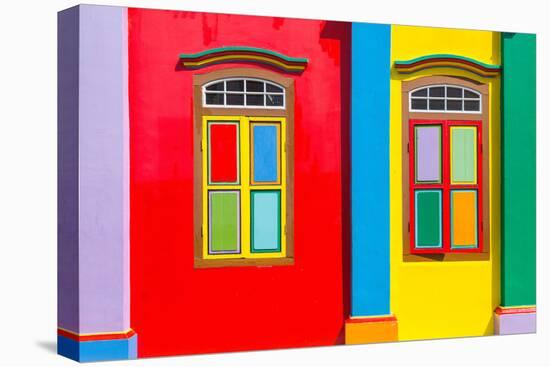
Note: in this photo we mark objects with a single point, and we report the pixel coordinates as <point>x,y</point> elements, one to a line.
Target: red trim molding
<point>99,336</point>
<point>500,310</point>
<point>355,320</point>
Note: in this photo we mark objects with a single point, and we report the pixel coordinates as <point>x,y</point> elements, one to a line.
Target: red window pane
<point>223,143</point>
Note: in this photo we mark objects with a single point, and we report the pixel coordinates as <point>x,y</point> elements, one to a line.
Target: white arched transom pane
<point>243,93</point>
<point>444,98</point>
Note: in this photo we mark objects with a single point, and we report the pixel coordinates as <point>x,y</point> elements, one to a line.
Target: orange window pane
<point>464,219</point>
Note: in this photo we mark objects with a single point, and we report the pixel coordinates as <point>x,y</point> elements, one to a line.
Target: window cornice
<point>243,54</point>
<point>447,61</point>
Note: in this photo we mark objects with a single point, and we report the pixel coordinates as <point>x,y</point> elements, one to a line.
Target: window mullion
<point>204,183</point>
<point>283,183</point>
<point>245,186</point>
<point>446,210</point>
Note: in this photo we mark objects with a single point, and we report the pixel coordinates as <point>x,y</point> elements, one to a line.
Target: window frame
<point>244,187</point>
<point>446,186</point>
<point>483,116</point>
<point>445,99</point>
<point>244,93</point>
<point>254,113</point>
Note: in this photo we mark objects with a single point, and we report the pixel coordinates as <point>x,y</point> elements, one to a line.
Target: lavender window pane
<point>428,153</point>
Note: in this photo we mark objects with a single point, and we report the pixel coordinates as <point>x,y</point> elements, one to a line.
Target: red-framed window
<point>445,183</point>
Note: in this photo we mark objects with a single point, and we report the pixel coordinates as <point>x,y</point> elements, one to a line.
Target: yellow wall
<point>444,299</point>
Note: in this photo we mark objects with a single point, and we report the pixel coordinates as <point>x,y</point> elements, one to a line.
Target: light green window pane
<point>463,154</point>
<point>224,222</point>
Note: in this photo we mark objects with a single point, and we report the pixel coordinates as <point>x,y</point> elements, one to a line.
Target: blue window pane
<point>266,151</point>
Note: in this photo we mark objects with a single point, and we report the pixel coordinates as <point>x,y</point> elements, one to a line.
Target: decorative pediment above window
<point>243,54</point>
<point>447,61</point>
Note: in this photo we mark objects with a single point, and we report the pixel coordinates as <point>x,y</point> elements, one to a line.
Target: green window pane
<point>223,222</point>
<point>427,218</point>
<point>463,154</point>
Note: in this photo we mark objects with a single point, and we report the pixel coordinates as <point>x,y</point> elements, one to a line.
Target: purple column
<point>518,323</point>
<point>67,166</point>
<point>93,171</point>
<point>103,170</point>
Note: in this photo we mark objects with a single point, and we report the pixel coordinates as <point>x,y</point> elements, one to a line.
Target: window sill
<point>464,256</point>
<point>224,263</point>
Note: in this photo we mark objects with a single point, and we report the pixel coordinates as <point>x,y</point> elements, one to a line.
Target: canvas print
<point>236,183</point>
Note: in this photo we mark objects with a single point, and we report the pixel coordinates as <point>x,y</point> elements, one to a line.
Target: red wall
<point>176,309</point>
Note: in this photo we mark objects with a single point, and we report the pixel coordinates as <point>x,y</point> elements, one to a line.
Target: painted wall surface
<point>177,309</point>
<point>444,299</point>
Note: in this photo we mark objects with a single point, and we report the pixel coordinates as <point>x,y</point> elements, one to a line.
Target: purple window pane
<point>428,153</point>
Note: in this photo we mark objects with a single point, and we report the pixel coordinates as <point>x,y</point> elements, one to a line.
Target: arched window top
<point>444,98</point>
<point>243,93</point>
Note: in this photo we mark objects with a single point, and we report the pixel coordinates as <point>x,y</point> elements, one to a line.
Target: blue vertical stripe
<point>265,153</point>
<point>370,212</point>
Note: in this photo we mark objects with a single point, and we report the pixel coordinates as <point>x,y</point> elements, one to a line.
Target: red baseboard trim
<point>371,319</point>
<point>515,310</point>
<point>92,337</point>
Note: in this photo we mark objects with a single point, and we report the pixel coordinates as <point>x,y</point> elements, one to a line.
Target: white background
<point>28,182</point>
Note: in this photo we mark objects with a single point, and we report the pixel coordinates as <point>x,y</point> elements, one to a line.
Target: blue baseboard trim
<point>98,350</point>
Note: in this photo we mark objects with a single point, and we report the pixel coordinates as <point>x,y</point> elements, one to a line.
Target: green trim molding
<point>447,60</point>
<point>243,54</point>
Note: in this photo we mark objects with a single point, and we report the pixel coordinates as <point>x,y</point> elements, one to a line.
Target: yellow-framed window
<point>244,187</point>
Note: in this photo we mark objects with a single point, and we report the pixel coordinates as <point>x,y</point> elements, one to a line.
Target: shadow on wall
<point>496,49</point>
<point>342,31</point>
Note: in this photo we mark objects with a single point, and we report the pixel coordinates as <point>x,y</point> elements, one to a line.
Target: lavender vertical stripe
<point>67,169</point>
<point>520,323</point>
<point>428,156</point>
<point>103,176</point>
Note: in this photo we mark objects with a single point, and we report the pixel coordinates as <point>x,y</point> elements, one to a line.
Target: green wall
<point>518,169</point>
